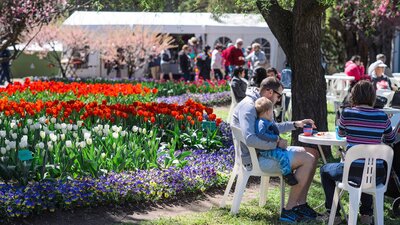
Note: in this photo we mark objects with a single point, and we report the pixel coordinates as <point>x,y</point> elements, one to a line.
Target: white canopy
<point>180,23</point>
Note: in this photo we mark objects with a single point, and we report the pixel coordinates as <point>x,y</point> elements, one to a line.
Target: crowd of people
<point>208,63</point>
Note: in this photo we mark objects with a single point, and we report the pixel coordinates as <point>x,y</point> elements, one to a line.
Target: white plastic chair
<point>243,176</point>
<point>368,183</point>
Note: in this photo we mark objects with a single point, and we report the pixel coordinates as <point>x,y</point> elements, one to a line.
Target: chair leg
<point>378,208</point>
<point>229,185</point>
<point>354,204</point>
<point>334,206</point>
<point>263,190</point>
<point>243,177</point>
<point>282,195</point>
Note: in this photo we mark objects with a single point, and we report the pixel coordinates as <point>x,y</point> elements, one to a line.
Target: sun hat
<point>381,65</point>
<point>193,40</point>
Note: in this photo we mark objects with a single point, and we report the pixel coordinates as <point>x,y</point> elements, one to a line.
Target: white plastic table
<point>329,139</point>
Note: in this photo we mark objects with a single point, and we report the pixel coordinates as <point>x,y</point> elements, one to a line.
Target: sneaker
<point>290,179</point>
<point>306,211</point>
<point>366,219</point>
<point>290,216</point>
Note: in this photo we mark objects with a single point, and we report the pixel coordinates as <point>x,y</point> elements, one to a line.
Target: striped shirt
<point>363,125</point>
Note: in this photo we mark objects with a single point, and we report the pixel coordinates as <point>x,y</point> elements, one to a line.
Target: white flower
<point>105,132</point>
<point>135,129</point>
<point>123,133</point>
<point>8,148</point>
<point>96,129</point>
<point>40,145</point>
<point>75,127</point>
<point>63,126</point>
<point>64,131</point>
<point>103,155</point>
<point>1,121</point>
<point>42,134</point>
<point>53,137</point>
<point>79,123</point>
<point>69,127</point>
<point>6,141</point>
<point>53,120</point>
<point>89,141</point>
<point>86,135</point>
<point>25,130</point>
<point>3,150</point>
<point>24,138</point>
<point>13,125</point>
<point>83,144</point>
<point>151,133</point>
<point>29,121</point>
<point>38,126</point>
<point>100,132</point>
<point>23,144</point>
<point>14,135</point>
<point>107,127</point>
<point>140,130</point>
<point>42,119</point>
<point>62,136</point>
<point>144,130</point>
<point>115,135</point>
<point>57,126</point>
<point>114,128</point>
<point>3,133</point>
<point>114,145</point>
<point>68,143</point>
<point>74,134</point>
<point>12,144</point>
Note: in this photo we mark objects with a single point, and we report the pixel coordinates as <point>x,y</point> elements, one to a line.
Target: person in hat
<point>381,81</point>
<point>194,49</point>
<point>380,58</point>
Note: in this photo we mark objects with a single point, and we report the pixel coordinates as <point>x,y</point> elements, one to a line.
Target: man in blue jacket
<point>5,66</point>
<point>302,160</point>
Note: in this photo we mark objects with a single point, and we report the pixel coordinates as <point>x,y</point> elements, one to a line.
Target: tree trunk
<point>299,34</point>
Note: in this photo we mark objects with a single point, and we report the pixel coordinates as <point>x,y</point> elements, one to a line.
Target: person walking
<point>217,65</point>
<point>5,66</point>
<point>184,62</point>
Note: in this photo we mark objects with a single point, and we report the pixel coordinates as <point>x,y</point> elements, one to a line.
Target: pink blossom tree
<point>134,46</point>
<point>75,42</point>
<point>19,16</point>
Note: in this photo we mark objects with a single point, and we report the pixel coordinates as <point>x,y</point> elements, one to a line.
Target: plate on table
<point>325,135</point>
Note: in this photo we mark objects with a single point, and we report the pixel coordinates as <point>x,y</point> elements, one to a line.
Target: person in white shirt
<point>380,59</point>
<point>217,66</point>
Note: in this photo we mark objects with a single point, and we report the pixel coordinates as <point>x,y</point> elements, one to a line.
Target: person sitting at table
<point>302,159</point>
<point>360,124</point>
<point>267,130</point>
<point>381,81</point>
<point>355,68</point>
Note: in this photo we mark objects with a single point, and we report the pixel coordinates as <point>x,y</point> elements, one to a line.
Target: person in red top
<point>234,54</point>
<point>355,68</point>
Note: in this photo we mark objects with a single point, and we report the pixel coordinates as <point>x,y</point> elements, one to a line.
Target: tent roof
<point>85,18</point>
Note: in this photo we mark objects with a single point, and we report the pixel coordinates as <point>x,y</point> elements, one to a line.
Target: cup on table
<point>307,130</point>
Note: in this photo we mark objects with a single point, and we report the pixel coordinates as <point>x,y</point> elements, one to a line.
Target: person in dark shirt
<point>204,63</point>
<point>5,66</point>
<point>184,62</point>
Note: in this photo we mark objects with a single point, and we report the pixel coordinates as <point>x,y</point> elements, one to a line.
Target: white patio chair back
<point>368,181</point>
<point>243,175</point>
<point>232,107</point>
<point>388,94</point>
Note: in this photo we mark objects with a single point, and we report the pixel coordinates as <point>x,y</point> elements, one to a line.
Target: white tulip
<point>69,127</point>
<point>140,130</point>
<point>64,131</point>
<point>115,135</point>
<point>3,133</point>
<point>3,150</point>
<point>75,127</point>
<point>12,144</point>
<point>23,144</point>
<point>114,128</point>
<point>79,123</point>
<point>135,129</point>
<point>14,135</point>
<point>6,141</point>
<point>24,138</point>
<point>29,121</point>
<point>114,145</point>
<point>57,126</point>
<point>74,134</point>
<point>123,133</point>
<point>42,119</point>
<point>63,126</point>
<point>25,130</point>
<point>103,155</point>
<point>96,129</point>
<point>151,133</point>
<point>40,145</point>
<point>12,125</point>
<point>107,127</point>
<point>89,141</point>
<point>105,132</point>
<point>38,126</point>
<point>86,135</point>
<point>62,136</point>
<point>42,134</point>
<point>53,137</point>
<point>53,120</point>
<point>68,143</point>
<point>100,132</point>
<point>8,148</point>
<point>144,130</point>
<point>83,144</point>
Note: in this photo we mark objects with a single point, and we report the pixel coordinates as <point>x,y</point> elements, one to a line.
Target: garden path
<point>115,215</point>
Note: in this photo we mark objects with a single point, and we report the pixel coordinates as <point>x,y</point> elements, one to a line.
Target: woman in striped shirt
<point>360,124</point>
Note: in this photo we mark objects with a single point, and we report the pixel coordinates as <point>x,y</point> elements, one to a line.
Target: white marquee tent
<point>224,29</point>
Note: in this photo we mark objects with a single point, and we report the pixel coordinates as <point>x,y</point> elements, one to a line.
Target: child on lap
<point>267,130</point>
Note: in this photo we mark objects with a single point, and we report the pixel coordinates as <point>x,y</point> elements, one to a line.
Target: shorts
<point>270,165</point>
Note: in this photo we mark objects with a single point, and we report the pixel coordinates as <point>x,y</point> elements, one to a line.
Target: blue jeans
<point>332,172</point>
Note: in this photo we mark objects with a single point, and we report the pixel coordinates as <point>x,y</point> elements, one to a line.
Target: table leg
<point>321,152</point>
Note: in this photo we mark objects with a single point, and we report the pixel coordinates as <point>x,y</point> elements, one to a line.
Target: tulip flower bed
<point>208,99</point>
<point>67,145</point>
<point>167,88</point>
